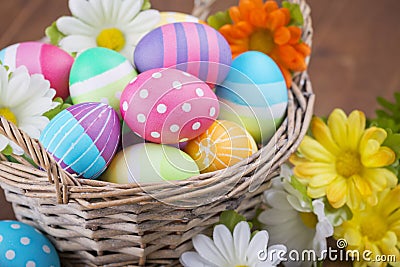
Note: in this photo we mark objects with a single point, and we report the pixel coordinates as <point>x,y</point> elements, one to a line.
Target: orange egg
<point>224,144</point>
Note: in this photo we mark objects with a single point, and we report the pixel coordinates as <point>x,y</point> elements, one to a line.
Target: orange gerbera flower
<point>265,27</point>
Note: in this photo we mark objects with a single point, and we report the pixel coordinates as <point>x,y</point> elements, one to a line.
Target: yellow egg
<point>224,144</point>
<point>172,17</point>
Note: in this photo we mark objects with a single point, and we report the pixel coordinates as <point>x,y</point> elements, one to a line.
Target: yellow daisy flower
<point>375,231</point>
<point>344,161</point>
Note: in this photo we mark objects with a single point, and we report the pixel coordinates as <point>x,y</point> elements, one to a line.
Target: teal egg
<point>23,245</point>
<point>100,75</point>
<point>254,95</point>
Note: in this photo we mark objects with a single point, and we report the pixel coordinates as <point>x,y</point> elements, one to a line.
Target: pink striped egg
<point>41,58</point>
<point>168,106</point>
<point>192,47</point>
<point>83,138</point>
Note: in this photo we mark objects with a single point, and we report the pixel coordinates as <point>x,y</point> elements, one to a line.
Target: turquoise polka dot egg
<point>100,75</point>
<point>22,245</point>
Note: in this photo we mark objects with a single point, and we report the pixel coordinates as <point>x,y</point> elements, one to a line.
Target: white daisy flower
<point>5,142</point>
<point>293,220</point>
<point>237,250</point>
<point>114,24</point>
<point>24,99</point>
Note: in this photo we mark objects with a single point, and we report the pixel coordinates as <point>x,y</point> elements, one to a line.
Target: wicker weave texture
<point>95,223</point>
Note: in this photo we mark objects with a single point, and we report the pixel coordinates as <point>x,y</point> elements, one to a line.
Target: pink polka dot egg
<point>168,106</point>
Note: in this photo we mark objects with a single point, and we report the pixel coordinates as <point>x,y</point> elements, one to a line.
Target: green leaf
<point>301,188</point>
<point>253,234</point>
<point>219,19</point>
<point>7,151</point>
<point>337,216</point>
<point>54,34</point>
<point>230,219</point>
<point>60,107</point>
<point>296,17</point>
<point>146,5</point>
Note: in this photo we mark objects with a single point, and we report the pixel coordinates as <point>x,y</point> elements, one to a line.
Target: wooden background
<point>355,57</point>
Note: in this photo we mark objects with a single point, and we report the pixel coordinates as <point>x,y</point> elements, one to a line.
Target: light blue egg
<point>254,95</point>
<point>23,245</point>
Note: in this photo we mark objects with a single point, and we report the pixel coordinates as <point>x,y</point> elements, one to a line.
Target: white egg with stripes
<point>168,106</point>
<point>83,138</point>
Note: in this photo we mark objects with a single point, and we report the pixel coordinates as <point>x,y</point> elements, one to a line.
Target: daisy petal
<point>277,216</point>
<point>310,169</point>
<point>17,87</point>
<point>71,25</point>
<point>4,141</point>
<point>383,157</point>
<point>257,244</point>
<point>128,10</point>
<point>362,185</point>
<point>275,199</point>
<point>241,239</point>
<point>353,195</point>
<point>322,179</point>
<point>313,150</point>
<point>355,128</point>
<point>337,123</point>
<point>207,250</point>
<point>77,43</point>
<point>83,10</point>
<point>189,259</point>
<point>3,82</point>
<point>323,135</point>
<point>144,21</point>
<point>224,242</point>
<point>97,7</point>
<point>336,192</point>
<point>316,192</point>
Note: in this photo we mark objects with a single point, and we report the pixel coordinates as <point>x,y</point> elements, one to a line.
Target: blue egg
<point>254,95</point>
<point>83,138</point>
<point>23,245</point>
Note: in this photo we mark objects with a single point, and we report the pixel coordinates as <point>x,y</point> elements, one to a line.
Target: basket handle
<point>202,8</point>
<point>32,147</point>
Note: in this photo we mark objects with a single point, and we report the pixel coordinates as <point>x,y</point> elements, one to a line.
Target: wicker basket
<point>95,223</point>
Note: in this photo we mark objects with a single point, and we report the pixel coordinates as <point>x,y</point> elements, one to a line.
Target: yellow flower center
<point>8,114</point>
<point>348,164</point>
<point>241,266</point>
<point>373,226</point>
<point>262,40</point>
<point>309,219</point>
<point>111,38</point>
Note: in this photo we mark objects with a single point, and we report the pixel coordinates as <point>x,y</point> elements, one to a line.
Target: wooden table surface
<point>355,57</point>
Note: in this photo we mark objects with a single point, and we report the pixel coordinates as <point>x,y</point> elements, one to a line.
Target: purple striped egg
<point>192,47</point>
<point>83,138</point>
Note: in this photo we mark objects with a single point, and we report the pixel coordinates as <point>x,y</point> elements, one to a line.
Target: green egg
<point>148,163</point>
<point>100,75</point>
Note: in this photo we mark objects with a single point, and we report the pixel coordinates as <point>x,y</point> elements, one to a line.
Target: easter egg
<point>23,245</point>
<point>224,144</point>
<point>172,17</point>
<point>83,138</point>
<point>168,106</point>
<point>192,47</point>
<point>100,75</point>
<point>147,162</point>
<point>254,95</point>
<point>41,58</point>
